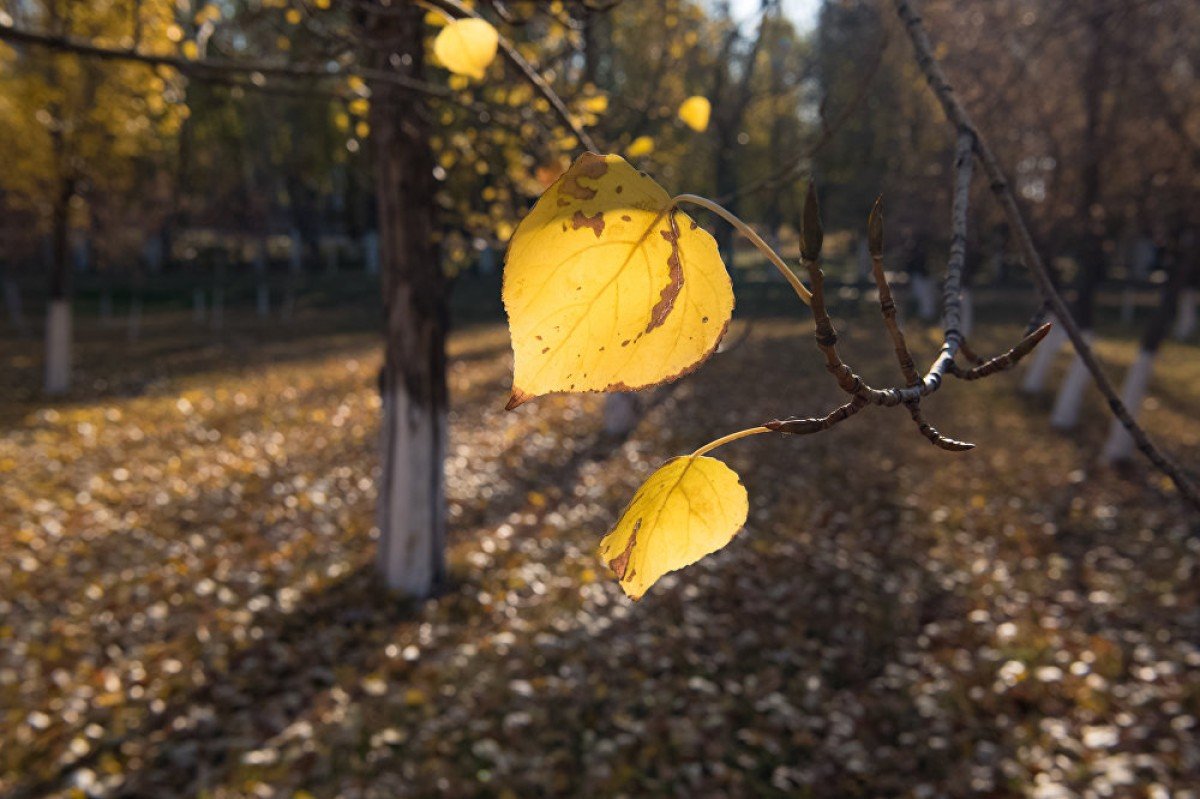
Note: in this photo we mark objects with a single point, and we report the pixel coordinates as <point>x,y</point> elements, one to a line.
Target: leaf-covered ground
<point>187,605</point>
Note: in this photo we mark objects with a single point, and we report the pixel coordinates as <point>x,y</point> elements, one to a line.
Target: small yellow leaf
<point>190,50</point>
<point>293,16</point>
<point>609,287</point>
<point>467,46</point>
<point>695,111</point>
<point>597,104</point>
<point>691,507</point>
<point>642,145</point>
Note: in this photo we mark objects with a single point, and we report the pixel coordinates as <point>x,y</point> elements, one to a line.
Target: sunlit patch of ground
<point>188,608</point>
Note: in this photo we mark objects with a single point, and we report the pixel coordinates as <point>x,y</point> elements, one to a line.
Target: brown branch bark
<point>201,68</point>
<point>957,114</point>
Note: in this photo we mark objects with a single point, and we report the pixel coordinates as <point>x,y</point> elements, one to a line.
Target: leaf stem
<point>723,440</point>
<point>803,293</point>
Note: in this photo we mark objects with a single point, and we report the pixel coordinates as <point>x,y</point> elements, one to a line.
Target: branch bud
<point>875,228</point>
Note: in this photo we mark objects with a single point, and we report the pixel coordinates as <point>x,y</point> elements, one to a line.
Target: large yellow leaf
<point>466,46</point>
<point>691,507</point>
<point>695,111</point>
<point>609,287</point>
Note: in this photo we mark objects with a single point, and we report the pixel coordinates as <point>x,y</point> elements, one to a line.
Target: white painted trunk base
<point>412,497</point>
<point>1070,395</point>
<point>1185,317</point>
<point>1119,446</point>
<point>1038,372</point>
<point>620,414</point>
<point>58,347</point>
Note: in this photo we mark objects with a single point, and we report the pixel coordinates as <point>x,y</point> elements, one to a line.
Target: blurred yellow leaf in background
<point>467,47</point>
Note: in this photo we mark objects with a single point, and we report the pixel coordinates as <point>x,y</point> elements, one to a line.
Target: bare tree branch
<point>957,115</point>
<point>457,8</point>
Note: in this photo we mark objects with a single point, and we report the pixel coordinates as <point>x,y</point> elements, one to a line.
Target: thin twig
<point>956,113</point>
<point>455,7</point>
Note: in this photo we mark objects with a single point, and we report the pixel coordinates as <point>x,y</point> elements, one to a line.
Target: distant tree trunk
<point>263,291</point>
<point>13,306</point>
<point>1185,319</point>
<point>198,311</point>
<point>1091,261</point>
<point>1119,446</point>
<point>58,312</point>
<point>411,512</point>
<point>216,319</point>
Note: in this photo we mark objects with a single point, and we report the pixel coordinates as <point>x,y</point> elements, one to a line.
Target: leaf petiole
<point>801,291</point>
<point>723,440</point>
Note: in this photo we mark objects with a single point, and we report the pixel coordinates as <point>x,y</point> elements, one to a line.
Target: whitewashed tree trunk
<point>1070,395</point>
<point>58,346</point>
<point>620,414</point>
<point>1185,316</point>
<point>411,512</point>
<point>412,494</point>
<point>1042,361</point>
<point>1119,446</point>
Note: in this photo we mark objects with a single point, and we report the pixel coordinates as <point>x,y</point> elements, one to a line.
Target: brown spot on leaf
<point>518,397</point>
<point>626,218</point>
<point>545,350</point>
<point>670,292</point>
<point>582,220</point>
<point>589,165</point>
<point>620,563</point>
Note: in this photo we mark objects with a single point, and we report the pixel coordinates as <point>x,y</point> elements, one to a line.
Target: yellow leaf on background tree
<point>467,46</point>
<point>695,111</point>
<point>691,507</point>
<point>609,287</point>
<point>642,145</point>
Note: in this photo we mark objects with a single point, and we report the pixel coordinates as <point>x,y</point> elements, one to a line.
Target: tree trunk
<point>1043,358</point>
<point>411,512</point>
<point>13,306</point>
<point>1070,396</point>
<point>1091,211</point>
<point>58,312</point>
<point>1119,446</point>
<point>1185,320</point>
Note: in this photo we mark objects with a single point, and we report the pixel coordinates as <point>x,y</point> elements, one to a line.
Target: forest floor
<point>188,606</point>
